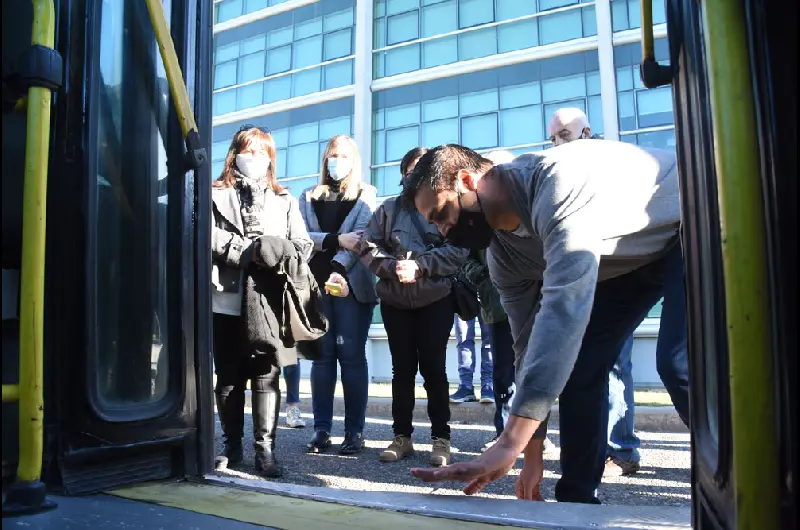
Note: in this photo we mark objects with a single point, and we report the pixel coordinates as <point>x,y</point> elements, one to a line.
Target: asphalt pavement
<point>664,479</point>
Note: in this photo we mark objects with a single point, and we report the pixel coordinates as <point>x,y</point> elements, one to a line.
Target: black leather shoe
<point>353,443</point>
<point>320,443</point>
<point>232,455</point>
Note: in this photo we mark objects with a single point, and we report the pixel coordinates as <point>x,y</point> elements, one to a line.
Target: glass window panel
<point>378,119</point>
<point>304,133</point>
<point>225,75</point>
<point>477,102</point>
<point>280,163</point>
<point>254,44</point>
<point>224,102</point>
<point>379,147</point>
<point>307,28</point>
<point>589,21</point>
<point>296,187</point>
<point>339,74</point>
<point>475,12</point>
<point>521,125</point>
<point>654,107</point>
<point>660,139</point>
<point>561,88</point>
<point>330,128</point>
<point>655,312</point>
<point>439,18</point>
<point>279,60</point>
<point>619,15</point>
<point>508,9</point>
<point>626,111</point>
<point>440,51</point>
<point>338,44</point>
<point>379,9</point>
<point>307,52</point>
<point>520,95</point>
<point>552,4</point>
<point>228,10</point>
<point>478,132</point>
<point>399,141</point>
<point>401,60</point>
<point>303,160</point>
<point>403,115</point>
<point>595,115</point>
<point>438,109</point>
<point>635,14</point>
<point>219,150</point>
<point>479,43</point>
<point>624,78</point>
<point>135,274</point>
<point>403,27</point>
<point>398,6</point>
<point>255,5</point>
<point>227,52</point>
<point>306,82</point>
<point>593,83</point>
<point>250,95</point>
<point>637,76</point>
<point>338,20</point>
<point>517,35</point>
<point>387,180</point>
<point>216,169</point>
<point>440,132</point>
<point>281,137</point>
<point>560,27</point>
<point>278,89</point>
<point>251,67</point>
<point>379,33</point>
<point>279,37</point>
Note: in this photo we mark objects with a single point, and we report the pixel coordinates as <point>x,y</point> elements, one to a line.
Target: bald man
<point>622,450</point>
<point>567,125</point>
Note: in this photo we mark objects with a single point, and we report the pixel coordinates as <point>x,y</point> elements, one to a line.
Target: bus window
<point>129,258</point>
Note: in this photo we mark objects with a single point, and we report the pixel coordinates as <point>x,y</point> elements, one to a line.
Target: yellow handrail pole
<point>648,48</point>
<point>10,393</point>
<point>174,75</point>
<point>744,258</point>
<point>31,316</point>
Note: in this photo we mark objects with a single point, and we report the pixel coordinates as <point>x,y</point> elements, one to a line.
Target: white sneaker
<point>549,447</point>
<point>293,417</point>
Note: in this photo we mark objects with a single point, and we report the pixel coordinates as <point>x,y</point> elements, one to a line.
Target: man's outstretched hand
<point>492,465</point>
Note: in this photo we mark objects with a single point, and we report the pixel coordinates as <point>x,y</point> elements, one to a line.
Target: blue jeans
<point>622,440</point>
<point>620,305</point>
<point>291,374</point>
<point>465,338</point>
<point>502,373</point>
<point>345,345</point>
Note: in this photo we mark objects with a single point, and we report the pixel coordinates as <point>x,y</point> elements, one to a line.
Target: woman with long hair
<point>251,212</point>
<point>335,211</point>
<point>414,265</point>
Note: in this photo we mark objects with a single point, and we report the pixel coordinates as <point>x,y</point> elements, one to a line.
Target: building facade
<point>395,74</point>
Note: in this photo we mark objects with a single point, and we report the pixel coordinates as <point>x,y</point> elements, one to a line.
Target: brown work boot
<point>440,455</point>
<point>400,448</point>
<point>617,467</point>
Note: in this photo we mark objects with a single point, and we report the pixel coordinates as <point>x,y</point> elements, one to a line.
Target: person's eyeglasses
<point>248,126</point>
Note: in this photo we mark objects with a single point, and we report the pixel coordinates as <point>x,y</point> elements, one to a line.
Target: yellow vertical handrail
<point>648,47</point>
<point>744,258</point>
<point>180,96</point>
<point>34,220</point>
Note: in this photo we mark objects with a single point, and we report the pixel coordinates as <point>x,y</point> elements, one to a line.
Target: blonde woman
<point>335,212</point>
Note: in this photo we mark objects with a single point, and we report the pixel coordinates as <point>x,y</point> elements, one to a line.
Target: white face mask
<point>339,168</point>
<point>253,167</point>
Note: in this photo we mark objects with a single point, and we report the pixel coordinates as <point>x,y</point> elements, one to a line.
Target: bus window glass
<point>129,291</point>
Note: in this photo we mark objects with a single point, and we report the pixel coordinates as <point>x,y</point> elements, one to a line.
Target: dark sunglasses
<point>248,126</point>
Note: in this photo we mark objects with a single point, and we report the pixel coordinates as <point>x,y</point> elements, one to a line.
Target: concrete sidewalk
<point>648,417</point>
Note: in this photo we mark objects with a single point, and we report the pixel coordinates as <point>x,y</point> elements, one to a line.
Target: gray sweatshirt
<point>591,210</point>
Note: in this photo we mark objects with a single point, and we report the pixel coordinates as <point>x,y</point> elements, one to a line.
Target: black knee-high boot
<point>230,407</point>
<point>266,408</point>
